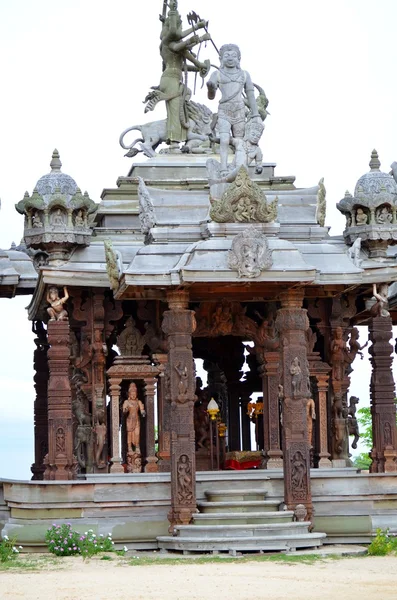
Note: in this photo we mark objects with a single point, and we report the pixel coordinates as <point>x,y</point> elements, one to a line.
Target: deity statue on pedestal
<point>133,408</point>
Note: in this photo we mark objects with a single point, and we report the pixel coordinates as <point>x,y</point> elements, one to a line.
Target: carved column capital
<point>292,298</point>
<point>178,299</point>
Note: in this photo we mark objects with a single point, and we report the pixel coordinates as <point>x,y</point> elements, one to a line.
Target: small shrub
<point>62,540</point>
<point>382,544</point>
<point>8,549</point>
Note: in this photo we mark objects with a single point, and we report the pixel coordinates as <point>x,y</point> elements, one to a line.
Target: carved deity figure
<point>233,82</point>
<point>222,320</point>
<point>79,220</point>
<point>247,149</point>
<point>175,50</point>
<point>184,479</point>
<point>352,420</point>
<point>56,310</point>
<point>133,407</point>
<point>60,446</point>
<point>379,309</point>
<point>310,418</point>
<point>183,379</point>
<point>298,472</point>
<point>354,346</point>
<point>58,218</point>
<point>37,222</point>
<point>383,216</point>
<point>338,351</point>
<point>361,217</point>
<point>296,376</point>
<point>100,438</point>
<point>201,419</point>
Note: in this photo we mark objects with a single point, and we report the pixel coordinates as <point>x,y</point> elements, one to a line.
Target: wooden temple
<point>175,270</point>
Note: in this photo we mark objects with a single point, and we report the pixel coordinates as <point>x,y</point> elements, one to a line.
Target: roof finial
<point>55,163</point>
<point>374,163</point>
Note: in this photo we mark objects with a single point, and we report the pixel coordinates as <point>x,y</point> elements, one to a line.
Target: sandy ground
<point>365,578</point>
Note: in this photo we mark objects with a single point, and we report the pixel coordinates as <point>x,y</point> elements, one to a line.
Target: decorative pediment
<point>243,202</point>
<point>250,254</point>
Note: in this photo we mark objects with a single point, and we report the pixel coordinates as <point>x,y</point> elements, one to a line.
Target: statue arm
<point>250,91</point>
<point>199,25</point>
<point>66,295</point>
<point>212,85</point>
<point>142,409</point>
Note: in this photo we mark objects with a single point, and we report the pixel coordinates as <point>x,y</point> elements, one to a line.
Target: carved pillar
<point>40,404</point>
<point>270,372</point>
<point>292,323</point>
<point>382,391</point>
<point>60,461</point>
<point>151,458</point>
<point>164,414</point>
<point>178,325</point>
<point>114,387</point>
<point>245,420</point>
<point>323,454</point>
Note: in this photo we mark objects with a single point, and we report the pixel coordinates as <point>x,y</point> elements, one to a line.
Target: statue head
<point>253,131</point>
<point>53,293</point>
<point>132,391</point>
<point>230,55</point>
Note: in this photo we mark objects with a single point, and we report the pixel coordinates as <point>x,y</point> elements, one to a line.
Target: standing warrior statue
<point>178,59</point>
<point>232,82</point>
<point>132,407</point>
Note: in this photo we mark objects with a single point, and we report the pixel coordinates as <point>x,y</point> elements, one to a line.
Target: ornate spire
<point>374,163</point>
<point>55,163</point>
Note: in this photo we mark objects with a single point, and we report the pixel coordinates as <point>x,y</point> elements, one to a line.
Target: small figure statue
<point>338,352</point>
<point>56,310</point>
<point>100,438</point>
<point>184,479</point>
<point>354,346</point>
<point>296,373</point>
<point>379,309</point>
<point>79,220</point>
<point>183,379</point>
<point>352,420</point>
<point>310,417</point>
<point>57,218</point>
<point>247,149</point>
<point>361,217</point>
<point>132,407</point>
<point>222,320</point>
<point>37,222</point>
<point>383,216</point>
<point>232,82</point>
<point>298,471</point>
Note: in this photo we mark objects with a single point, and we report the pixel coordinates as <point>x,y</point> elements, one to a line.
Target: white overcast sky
<point>74,74</point>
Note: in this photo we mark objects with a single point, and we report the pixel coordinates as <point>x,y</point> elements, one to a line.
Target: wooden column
<point>40,362</point>
<point>245,420</point>
<point>322,421</point>
<point>116,460</point>
<point>178,324</point>
<point>151,458</point>
<point>292,323</point>
<point>164,414</point>
<point>382,392</point>
<point>60,461</point>
<point>270,372</point>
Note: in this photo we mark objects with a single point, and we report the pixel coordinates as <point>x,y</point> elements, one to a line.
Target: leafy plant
<point>8,549</point>
<point>382,544</point>
<point>62,540</point>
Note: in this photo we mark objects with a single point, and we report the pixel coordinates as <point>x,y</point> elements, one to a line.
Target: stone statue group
<point>238,123</point>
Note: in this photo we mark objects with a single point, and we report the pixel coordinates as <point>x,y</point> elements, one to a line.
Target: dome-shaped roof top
<point>376,182</point>
<point>56,180</point>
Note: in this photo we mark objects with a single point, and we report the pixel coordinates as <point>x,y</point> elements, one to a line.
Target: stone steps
<point>280,543</point>
<point>230,518</point>
<point>240,520</point>
<point>238,506</point>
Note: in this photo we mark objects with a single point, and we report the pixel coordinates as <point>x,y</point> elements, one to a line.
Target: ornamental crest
<point>147,215</point>
<point>250,254</point>
<point>243,202</point>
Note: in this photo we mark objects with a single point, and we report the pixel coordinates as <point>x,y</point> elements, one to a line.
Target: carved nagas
<point>179,324</point>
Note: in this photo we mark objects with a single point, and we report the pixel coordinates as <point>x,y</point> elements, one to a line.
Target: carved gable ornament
<point>250,254</point>
<point>243,202</point>
<point>147,216</point>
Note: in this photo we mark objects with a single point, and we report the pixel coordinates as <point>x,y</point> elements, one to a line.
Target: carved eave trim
<point>38,296</point>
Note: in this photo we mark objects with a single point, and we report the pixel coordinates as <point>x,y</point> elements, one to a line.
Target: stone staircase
<point>241,520</point>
